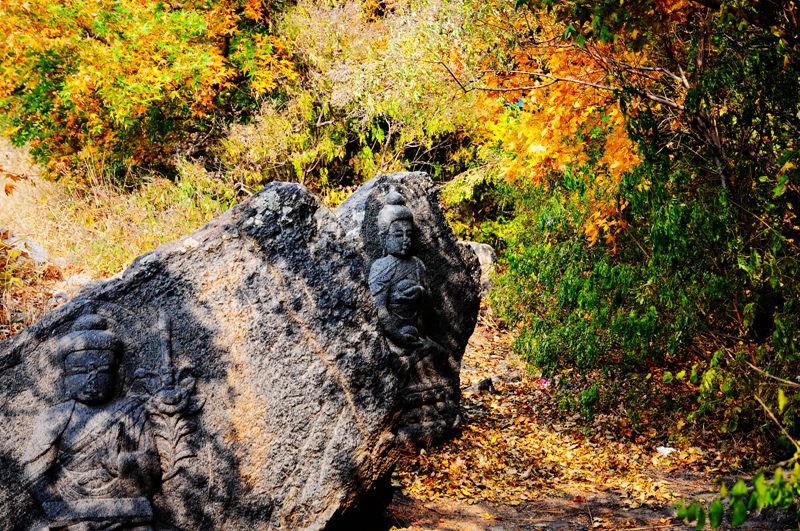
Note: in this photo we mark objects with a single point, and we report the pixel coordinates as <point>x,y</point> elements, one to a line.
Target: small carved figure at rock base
<point>398,283</point>
<point>92,462</point>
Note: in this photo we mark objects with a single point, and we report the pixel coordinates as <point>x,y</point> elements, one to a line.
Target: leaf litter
<point>522,460</point>
<point>516,446</point>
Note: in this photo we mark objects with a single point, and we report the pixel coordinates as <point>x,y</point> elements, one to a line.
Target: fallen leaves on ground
<point>517,445</point>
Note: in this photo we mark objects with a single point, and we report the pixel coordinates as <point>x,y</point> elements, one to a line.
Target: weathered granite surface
<point>488,260</point>
<point>427,292</point>
<point>236,378</point>
<point>259,373</point>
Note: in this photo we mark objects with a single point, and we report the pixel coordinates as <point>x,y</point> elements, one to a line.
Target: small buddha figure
<point>91,461</point>
<point>398,284</point>
<point>397,280</point>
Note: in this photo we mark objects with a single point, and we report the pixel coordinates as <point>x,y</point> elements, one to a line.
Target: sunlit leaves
<point>125,81</point>
<point>549,111</point>
<point>368,98</point>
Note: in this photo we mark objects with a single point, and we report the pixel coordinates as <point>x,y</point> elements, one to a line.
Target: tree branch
<point>664,101</point>
<point>455,78</point>
<point>772,377</point>
<point>554,79</point>
<point>775,419</point>
<point>765,373</point>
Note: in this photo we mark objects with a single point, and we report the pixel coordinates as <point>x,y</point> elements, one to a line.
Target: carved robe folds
<point>92,461</point>
<point>429,407</point>
<point>94,467</point>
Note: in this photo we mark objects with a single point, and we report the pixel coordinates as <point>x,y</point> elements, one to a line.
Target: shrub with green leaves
<point>706,256</point>
<point>738,504</point>
<point>115,84</point>
<point>370,99</point>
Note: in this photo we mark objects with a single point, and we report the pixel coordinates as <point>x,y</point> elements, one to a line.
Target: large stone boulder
<point>259,373</point>
<point>427,294</point>
<point>236,378</point>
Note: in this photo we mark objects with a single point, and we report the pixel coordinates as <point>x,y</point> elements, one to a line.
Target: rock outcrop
<point>488,261</point>
<point>244,357</point>
<point>241,377</point>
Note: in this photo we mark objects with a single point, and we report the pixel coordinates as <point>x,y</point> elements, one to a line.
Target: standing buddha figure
<point>398,284</point>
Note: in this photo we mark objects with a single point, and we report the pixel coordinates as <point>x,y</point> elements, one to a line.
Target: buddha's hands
<point>409,293</point>
<point>128,461</point>
<point>410,337</point>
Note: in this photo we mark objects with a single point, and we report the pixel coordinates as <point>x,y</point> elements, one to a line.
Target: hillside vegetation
<point>633,163</point>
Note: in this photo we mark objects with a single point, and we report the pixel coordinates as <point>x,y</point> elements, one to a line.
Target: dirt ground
<point>607,511</point>
<point>636,495</point>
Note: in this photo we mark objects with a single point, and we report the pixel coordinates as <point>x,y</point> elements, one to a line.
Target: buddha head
<point>396,225</point>
<point>90,353</point>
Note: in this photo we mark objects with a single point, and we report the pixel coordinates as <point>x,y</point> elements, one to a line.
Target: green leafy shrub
<point>126,84</point>
<point>705,245</point>
<point>369,99</point>
<point>780,493</point>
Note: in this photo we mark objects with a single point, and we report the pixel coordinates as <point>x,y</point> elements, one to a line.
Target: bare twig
<point>455,78</point>
<point>772,377</point>
<point>639,245</point>
<point>775,419</point>
<point>664,101</point>
<point>788,461</point>
<point>554,79</point>
<point>763,222</point>
<point>514,89</point>
<point>605,58</point>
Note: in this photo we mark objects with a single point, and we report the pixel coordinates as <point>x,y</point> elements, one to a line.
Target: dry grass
<point>99,229</point>
<point>15,160</point>
<point>88,232</point>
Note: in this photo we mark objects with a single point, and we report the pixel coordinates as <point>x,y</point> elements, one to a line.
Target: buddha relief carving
<point>93,461</point>
<point>399,285</point>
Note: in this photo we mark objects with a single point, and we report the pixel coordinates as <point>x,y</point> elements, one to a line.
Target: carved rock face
<point>89,375</point>
<point>285,418</point>
<point>273,401</point>
<point>398,238</point>
<point>91,461</point>
<point>426,295</point>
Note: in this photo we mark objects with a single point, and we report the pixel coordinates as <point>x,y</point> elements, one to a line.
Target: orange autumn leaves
<point>125,81</point>
<point>554,113</point>
<point>517,446</point>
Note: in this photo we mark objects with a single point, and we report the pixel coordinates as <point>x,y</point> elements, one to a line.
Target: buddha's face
<point>398,238</point>
<point>90,376</point>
